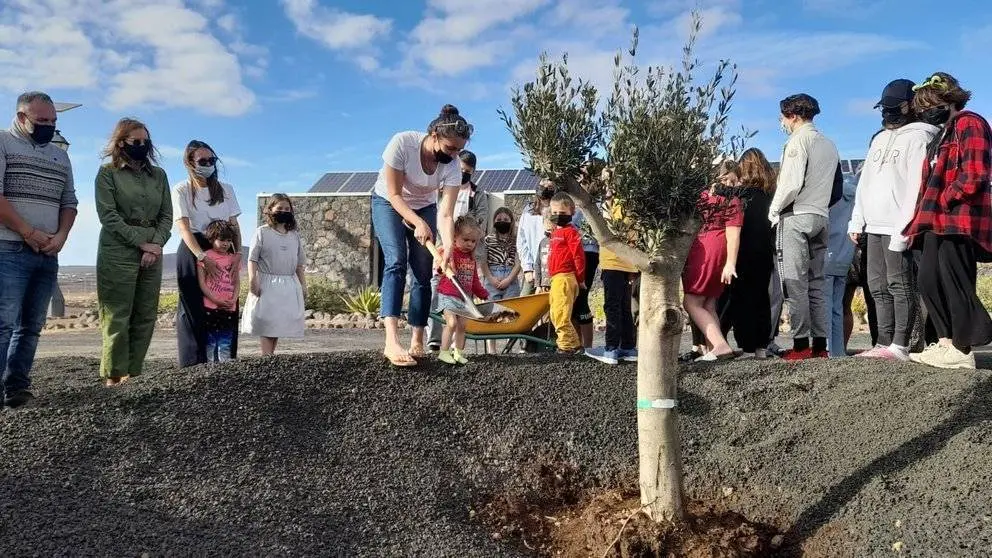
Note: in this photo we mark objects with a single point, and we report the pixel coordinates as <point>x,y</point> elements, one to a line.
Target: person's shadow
<point>976,409</point>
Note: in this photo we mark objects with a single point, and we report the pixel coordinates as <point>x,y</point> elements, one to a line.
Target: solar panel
<point>526,180</point>
<point>497,180</point>
<point>330,182</point>
<point>360,183</point>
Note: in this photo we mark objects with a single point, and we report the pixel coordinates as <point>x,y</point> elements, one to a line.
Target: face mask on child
<point>562,219</point>
<point>502,227</point>
<point>284,218</point>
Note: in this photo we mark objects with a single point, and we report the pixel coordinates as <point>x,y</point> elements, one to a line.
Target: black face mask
<point>562,219</point>
<point>284,218</point>
<point>442,158</point>
<point>466,177</point>
<point>502,227</point>
<point>894,117</point>
<point>137,151</point>
<point>937,116</point>
<point>43,133</point>
<point>547,194</point>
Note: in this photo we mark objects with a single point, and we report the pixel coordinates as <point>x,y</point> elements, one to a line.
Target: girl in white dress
<point>278,288</point>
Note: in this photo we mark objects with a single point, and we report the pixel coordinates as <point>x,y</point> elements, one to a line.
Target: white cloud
<point>337,29</point>
<point>599,17</point>
<point>80,247</point>
<point>229,23</point>
<point>142,53</point>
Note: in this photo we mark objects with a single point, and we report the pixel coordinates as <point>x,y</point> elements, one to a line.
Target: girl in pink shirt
<point>467,234</point>
<point>220,290</point>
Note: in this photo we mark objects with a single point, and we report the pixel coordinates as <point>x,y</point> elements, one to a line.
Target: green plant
<point>596,301</point>
<point>365,301</point>
<point>984,291</point>
<point>661,131</point>
<point>168,303</point>
<point>324,296</point>
<point>858,305</point>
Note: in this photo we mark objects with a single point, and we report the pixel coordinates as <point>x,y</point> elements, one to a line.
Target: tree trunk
<point>658,338</point>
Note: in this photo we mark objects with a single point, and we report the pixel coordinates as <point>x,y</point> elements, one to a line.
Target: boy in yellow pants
<point>567,267</point>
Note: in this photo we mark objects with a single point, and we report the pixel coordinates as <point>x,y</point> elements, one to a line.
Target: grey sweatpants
<point>890,280</point>
<point>802,247</point>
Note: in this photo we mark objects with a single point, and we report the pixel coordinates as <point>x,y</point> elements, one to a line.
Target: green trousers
<point>127,296</point>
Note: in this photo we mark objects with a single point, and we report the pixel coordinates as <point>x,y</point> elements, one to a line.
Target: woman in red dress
<point>712,262</point>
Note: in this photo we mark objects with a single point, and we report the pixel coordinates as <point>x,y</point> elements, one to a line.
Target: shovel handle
<point>433,250</point>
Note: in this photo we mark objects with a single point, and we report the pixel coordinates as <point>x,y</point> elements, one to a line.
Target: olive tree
<point>658,133</point>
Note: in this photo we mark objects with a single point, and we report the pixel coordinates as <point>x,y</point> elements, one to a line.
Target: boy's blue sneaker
<point>628,355</point>
<point>606,356</point>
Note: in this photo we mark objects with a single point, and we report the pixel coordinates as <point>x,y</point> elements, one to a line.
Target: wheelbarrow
<point>529,311</point>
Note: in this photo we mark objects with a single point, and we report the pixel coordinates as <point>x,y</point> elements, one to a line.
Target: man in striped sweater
<point>37,209</point>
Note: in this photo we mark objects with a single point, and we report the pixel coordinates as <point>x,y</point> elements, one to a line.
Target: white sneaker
<point>948,357</point>
<point>931,348</point>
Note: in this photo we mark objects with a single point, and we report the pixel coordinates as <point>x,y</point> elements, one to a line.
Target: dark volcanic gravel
<point>338,455</point>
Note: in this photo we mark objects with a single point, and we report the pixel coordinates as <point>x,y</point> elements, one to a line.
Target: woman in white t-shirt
<point>196,202</point>
<point>415,167</point>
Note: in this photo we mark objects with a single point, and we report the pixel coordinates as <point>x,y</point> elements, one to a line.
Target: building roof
<point>512,181</point>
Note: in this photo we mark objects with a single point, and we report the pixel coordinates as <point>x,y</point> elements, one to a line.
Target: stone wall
<point>337,236</point>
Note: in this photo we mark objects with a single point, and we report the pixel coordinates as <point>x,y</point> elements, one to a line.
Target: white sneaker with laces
<point>948,358</point>
<point>931,348</point>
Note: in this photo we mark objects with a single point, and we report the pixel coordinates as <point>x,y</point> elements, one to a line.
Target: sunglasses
<point>206,161</point>
<point>137,142</point>
<point>461,127</point>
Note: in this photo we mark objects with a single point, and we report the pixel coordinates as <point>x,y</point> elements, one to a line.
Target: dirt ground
<point>87,342</point>
<point>335,454</point>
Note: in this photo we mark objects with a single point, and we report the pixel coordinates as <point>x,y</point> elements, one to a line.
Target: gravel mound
<point>338,455</point>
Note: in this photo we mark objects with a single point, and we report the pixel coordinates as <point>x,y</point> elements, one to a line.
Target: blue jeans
<point>834,287</point>
<point>219,345</point>
<point>400,249</point>
<point>27,281</point>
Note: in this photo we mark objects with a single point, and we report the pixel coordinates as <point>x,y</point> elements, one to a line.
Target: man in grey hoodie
<point>808,176</point>
<point>884,205</point>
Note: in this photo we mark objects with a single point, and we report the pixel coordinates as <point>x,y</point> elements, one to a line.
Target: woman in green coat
<point>135,208</point>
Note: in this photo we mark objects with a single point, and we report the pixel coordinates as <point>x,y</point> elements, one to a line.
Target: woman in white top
<point>196,202</point>
<point>415,167</point>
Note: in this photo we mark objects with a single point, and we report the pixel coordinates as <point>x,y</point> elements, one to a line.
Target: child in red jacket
<point>567,268</point>
<point>467,234</point>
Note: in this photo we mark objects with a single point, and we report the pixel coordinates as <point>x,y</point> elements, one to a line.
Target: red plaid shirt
<point>956,196</point>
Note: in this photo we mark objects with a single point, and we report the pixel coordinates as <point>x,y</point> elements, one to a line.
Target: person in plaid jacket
<point>952,224</point>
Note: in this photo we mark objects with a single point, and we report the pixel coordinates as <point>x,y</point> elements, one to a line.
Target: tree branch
<point>601,230</point>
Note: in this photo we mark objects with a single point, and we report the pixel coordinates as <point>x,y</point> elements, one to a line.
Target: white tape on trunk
<point>656,403</point>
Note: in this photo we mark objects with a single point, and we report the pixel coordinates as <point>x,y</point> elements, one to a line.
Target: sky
<point>286,90</point>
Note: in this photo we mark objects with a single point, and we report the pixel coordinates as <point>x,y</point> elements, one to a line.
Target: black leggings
<point>746,308</point>
<point>947,278</point>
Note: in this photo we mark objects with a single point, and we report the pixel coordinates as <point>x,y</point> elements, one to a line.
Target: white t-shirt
<point>419,189</point>
<point>203,213</point>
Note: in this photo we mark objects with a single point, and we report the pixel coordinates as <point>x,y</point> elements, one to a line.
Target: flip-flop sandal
<point>417,352</point>
<point>710,357</point>
<point>399,361</point>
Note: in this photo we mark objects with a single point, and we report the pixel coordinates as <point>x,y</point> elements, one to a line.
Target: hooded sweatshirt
<point>890,182</point>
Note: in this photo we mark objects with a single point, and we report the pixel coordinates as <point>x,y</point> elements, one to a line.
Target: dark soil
<point>338,455</point>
